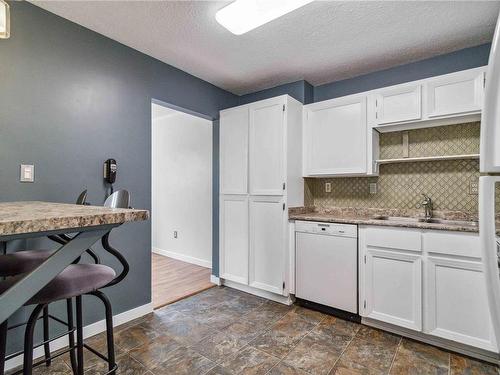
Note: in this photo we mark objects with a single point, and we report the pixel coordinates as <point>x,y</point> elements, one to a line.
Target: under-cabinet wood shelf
<point>427,158</point>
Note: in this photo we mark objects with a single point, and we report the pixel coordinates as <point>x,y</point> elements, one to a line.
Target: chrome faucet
<point>427,205</point>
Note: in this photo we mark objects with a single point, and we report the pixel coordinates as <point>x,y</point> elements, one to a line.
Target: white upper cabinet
<point>341,135</point>
<point>267,147</point>
<point>443,100</point>
<point>234,151</point>
<point>399,104</point>
<point>455,94</point>
<point>335,137</point>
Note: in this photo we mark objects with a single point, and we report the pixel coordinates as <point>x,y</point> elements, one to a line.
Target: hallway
<point>173,280</point>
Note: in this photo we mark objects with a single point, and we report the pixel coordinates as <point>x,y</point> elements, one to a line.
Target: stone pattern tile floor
<point>223,331</point>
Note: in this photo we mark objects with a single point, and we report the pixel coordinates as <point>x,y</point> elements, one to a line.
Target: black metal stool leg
<point>3,345</point>
<point>46,346</point>
<point>109,330</point>
<point>28,340</point>
<point>79,335</point>
<point>71,336</point>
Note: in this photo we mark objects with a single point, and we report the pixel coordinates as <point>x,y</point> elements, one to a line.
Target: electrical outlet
<point>175,234</point>
<point>328,187</point>
<point>474,188</point>
<point>373,187</point>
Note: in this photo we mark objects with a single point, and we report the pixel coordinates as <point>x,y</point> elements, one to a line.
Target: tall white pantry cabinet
<point>260,178</point>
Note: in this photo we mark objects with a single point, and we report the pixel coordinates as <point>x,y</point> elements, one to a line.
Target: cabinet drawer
<point>452,243</point>
<point>394,238</point>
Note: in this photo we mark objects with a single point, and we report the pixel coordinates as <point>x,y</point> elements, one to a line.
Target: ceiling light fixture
<point>4,20</point>
<point>242,16</point>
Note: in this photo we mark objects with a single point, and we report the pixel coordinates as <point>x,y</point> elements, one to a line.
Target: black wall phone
<point>110,171</point>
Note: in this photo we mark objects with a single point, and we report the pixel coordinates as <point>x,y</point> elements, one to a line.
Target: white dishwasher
<point>326,262</point>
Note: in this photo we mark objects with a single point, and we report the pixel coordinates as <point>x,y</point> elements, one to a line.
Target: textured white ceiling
<point>322,42</point>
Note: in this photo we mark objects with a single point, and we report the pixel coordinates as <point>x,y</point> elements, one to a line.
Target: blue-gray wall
<point>71,98</point>
<point>303,91</point>
<point>452,62</point>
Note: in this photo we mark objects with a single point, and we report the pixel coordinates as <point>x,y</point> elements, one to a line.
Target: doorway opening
<point>181,208</point>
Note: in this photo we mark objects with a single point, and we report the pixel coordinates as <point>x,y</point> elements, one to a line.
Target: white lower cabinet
<point>393,283</point>
<point>234,238</point>
<point>268,227</point>
<point>457,306</point>
<point>425,280</point>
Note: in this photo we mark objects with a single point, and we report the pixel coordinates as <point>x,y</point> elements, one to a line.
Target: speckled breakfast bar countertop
<point>33,217</point>
<point>455,221</point>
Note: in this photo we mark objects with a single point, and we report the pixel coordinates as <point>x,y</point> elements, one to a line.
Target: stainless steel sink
<point>422,220</point>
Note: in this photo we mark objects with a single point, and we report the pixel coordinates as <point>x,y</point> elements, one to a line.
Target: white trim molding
<point>286,300</point>
<point>88,331</point>
<point>184,258</point>
<point>215,280</point>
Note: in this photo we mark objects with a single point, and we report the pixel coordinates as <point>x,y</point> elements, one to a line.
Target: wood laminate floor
<point>173,280</point>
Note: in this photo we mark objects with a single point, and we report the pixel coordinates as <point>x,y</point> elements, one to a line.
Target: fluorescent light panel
<point>242,16</point>
<point>4,20</point>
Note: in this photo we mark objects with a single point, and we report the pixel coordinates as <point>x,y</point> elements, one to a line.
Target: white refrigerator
<point>490,178</point>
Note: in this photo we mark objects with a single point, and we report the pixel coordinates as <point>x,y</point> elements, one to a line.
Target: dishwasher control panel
<point>332,229</point>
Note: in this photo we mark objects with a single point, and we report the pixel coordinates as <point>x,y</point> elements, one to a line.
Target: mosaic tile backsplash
<point>401,185</point>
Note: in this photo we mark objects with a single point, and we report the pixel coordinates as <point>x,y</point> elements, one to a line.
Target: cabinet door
<point>267,147</point>
<point>399,104</point>
<point>393,291</point>
<point>335,137</point>
<point>455,94</point>
<point>234,238</point>
<point>267,243</point>
<point>457,305</point>
<point>234,151</point>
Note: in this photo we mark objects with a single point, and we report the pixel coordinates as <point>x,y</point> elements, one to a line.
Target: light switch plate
<point>27,173</point>
<point>328,187</point>
<point>373,187</point>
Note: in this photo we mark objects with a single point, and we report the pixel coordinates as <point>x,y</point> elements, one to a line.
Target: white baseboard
<point>184,258</point>
<point>88,331</point>
<point>286,300</point>
<point>215,280</point>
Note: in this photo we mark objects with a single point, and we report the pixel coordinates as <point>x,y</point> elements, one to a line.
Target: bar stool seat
<point>74,280</point>
<point>22,261</point>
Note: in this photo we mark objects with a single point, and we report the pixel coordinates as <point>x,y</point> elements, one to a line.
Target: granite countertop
<point>33,217</point>
<point>452,220</point>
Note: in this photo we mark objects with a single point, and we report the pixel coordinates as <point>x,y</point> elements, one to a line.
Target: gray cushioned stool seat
<point>75,280</point>
<point>22,261</point>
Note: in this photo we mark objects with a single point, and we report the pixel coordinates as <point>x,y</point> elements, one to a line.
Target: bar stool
<point>24,261</point>
<point>75,281</point>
